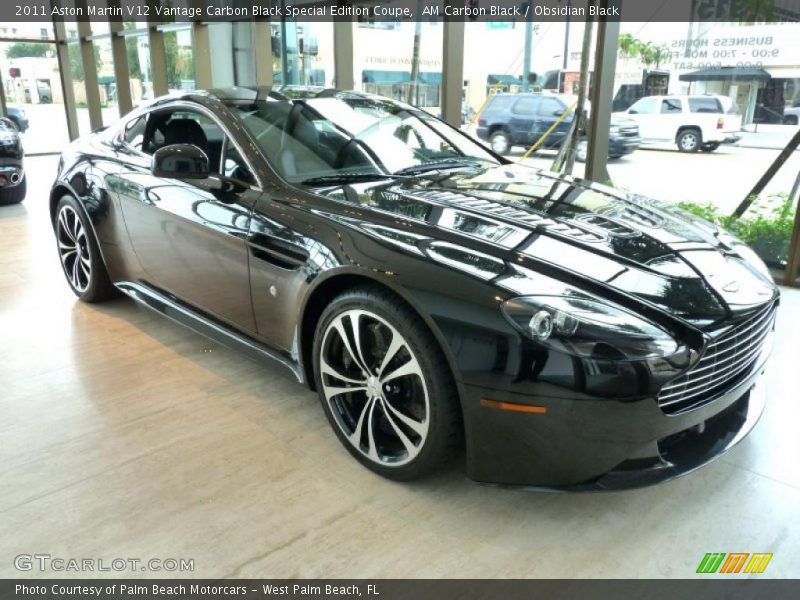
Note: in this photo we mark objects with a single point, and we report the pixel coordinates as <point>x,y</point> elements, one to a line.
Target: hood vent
<point>611,226</point>
<point>504,211</point>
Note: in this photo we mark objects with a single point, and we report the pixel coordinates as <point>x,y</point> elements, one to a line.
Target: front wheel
<point>385,385</point>
<point>79,254</point>
<point>689,140</point>
<point>500,142</point>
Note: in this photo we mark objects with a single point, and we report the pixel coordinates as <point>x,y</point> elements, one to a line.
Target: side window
<point>671,106</point>
<point>550,107</point>
<point>645,106</point>
<point>234,166</point>
<point>500,103</point>
<point>526,106</point>
<point>704,105</point>
<point>184,126</point>
<point>134,133</point>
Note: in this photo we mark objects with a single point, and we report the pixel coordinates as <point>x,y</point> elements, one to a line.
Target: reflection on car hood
<point>637,245</point>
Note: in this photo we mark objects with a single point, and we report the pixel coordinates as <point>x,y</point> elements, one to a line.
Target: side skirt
<point>205,326</point>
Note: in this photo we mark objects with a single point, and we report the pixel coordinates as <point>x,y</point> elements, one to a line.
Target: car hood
<point>580,229</point>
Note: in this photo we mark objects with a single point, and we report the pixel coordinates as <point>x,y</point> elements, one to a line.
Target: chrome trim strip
<point>214,331</point>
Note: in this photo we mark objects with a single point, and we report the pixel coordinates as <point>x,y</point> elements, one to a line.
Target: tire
<point>790,120</point>
<point>500,142</point>
<point>14,195</point>
<point>403,427</point>
<point>581,150</point>
<point>79,254</point>
<point>689,140</point>
<point>710,147</point>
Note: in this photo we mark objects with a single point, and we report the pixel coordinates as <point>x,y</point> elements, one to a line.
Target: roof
<point>727,74</point>
<point>493,79</point>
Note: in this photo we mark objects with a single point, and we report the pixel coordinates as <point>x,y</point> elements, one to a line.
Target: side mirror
<point>633,112</point>
<point>180,161</point>
<point>558,113</point>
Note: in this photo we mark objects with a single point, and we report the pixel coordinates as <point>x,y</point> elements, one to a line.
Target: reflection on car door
<point>522,120</point>
<point>190,237</point>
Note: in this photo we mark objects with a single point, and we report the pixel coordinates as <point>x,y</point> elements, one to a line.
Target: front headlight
<point>588,328</point>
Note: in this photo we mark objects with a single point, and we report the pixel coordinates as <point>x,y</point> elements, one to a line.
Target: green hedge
<point>767,229</point>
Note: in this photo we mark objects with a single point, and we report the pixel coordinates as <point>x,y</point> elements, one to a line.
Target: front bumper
<point>620,146</point>
<point>603,444</point>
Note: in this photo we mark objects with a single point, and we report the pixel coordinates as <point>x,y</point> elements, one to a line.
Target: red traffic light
<point>15,72</point>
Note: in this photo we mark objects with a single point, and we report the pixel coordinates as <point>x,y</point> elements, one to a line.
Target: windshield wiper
<point>449,163</point>
<point>333,179</point>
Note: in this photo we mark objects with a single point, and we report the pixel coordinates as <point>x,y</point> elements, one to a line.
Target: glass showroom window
<point>180,60</point>
<point>302,53</point>
<point>233,59</point>
<point>106,81</point>
<point>137,47</point>
<point>32,86</point>
<point>386,61</point>
<point>719,121</point>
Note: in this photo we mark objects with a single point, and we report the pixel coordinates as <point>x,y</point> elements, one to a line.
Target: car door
<point>523,120</point>
<point>644,112</point>
<point>189,235</point>
<point>548,112</point>
<point>671,117</point>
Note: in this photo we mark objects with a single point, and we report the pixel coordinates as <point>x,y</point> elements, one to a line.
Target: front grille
<point>630,131</point>
<point>728,360</point>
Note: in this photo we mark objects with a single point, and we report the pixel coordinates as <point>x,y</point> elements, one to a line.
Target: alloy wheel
<point>73,249</point>
<point>689,141</point>
<point>374,387</point>
<point>500,143</point>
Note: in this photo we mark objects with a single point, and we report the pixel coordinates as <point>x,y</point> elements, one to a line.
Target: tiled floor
<point>123,436</point>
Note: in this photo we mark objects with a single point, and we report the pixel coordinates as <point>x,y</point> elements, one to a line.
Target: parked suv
<point>691,122</point>
<point>521,119</point>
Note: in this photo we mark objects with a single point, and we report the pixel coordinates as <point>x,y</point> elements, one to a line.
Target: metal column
<point>262,42</point>
<point>602,95</point>
<point>452,71</point>
<point>65,75</point>
<point>343,54</point>
<point>119,54</point>
<point>89,69</point>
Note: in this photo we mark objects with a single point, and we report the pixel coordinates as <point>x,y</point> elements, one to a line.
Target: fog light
<point>541,325</point>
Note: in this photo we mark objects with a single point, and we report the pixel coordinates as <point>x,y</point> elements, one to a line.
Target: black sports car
<point>12,174</point>
<point>434,294</point>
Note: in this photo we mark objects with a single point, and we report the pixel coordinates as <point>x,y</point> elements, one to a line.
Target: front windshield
<point>348,135</point>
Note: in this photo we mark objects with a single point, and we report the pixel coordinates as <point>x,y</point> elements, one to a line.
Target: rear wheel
<point>14,195</point>
<point>500,142</point>
<point>385,386</point>
<point>79,254</point>
<point>689,140</point>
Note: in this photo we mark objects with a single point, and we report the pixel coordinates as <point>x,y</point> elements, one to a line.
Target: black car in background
<point>18,116</point>
<point>12,174</point>
<point>435,295</point>
<point>521,119</point>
